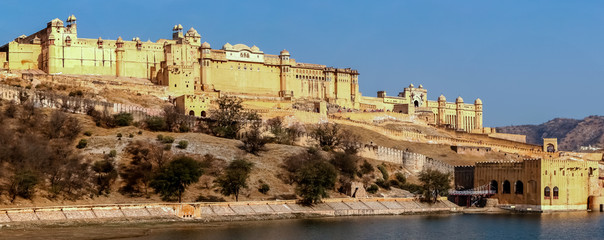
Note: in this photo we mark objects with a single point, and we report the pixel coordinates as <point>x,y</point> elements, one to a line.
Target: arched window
<point>203,113</point>
<point>191,113</point>
<point>519,187</point>
<point>555,192</point>
<point>546,192</point>
<point>506,187</point>
<point>494,186</point>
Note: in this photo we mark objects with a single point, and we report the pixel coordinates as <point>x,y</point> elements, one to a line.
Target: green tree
<point>105,174</point>
<point>228,118</point>
<point>254,142</point>
<point>22,184</point>
<point>328,136</point>
<point>315,178</point>
<point>345,163</point>
<point>234,178</point>
<point>434,183</point>
<point>173,179</point>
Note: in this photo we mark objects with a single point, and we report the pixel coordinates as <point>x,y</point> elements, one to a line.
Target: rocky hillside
<point>571,133</point>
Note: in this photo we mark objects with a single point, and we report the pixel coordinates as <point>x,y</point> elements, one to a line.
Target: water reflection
<point>568,225</point>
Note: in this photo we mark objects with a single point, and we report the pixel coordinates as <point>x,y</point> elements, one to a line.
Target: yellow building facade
<point>540,184</point>
<point>414,101</point>
<point>184,64</point>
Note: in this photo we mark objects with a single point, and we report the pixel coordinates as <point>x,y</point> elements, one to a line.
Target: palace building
<point>193,73</point>
<point>535,184</point>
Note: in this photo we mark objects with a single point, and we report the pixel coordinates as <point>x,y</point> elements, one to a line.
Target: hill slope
<point>571,133</point>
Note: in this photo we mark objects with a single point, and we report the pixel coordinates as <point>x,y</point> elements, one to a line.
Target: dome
<point>175,28</point>
<point>119,39</point>
<point>73,18</point>
<point>205,45</point>
<point>192,30</point>
<point>420,86</point>
<point>442,98</point>
<point>478,101</point>
<point>241,47</point>
<point>459,100</point>
<point>69,19</point>
<point>56,22</point>
<point>411,85</point>
<point>284,52</point>
<point>179,27</point>
<point>227,46</point>
<point>255,49</point>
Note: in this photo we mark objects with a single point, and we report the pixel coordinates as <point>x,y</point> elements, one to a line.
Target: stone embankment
<point>228,211</point>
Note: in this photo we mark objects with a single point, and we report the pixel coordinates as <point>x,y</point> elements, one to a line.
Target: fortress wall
<point>413,162</point>
<point>245,77</point>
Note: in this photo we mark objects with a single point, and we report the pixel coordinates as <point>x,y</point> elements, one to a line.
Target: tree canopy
<point>175,177</point>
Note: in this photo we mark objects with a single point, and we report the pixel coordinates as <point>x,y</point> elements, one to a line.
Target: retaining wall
<point>227,211</point>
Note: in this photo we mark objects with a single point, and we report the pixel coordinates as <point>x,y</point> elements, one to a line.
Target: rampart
<point>413,162</point>
<point>42,99</point>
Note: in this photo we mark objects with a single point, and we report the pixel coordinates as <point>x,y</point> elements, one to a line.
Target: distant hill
<point>571,133</point>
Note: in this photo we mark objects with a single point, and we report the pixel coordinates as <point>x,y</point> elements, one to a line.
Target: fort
<point>190,74</point>
<point>194,73</point>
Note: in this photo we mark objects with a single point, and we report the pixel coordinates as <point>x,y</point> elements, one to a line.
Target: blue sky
<point>529,61</point>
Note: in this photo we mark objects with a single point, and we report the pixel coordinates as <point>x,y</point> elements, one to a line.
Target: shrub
<point>119,135</point>
<point>112,153</point>
<point>88,133</point>
<point>22,184</point>
<point>82,143</point>
<point>328,136</point>
<point>382,169</point>
<point>383,184</point>
<point>167,139</point>
<point>372,189</point>
<point>140,132</point>
<point>160,137</point>
<point>210,198</point>
<point>182,144</point>
<point>400,177</point>
<point>156,123</point>
<point>167,147</point>
<point>366,167</point>
<point>315,178</point>
<point>123,119</point>
<point>77,93</point>
<point>264,188</point>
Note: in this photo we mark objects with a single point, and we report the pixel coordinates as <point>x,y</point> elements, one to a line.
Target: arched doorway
<point>519,188</point>
<point>191,113</point>
<point>203,113</point>
<point>416,103</point>
<point>551,148</point>
<point>506,187</point>
<point>494,186</point>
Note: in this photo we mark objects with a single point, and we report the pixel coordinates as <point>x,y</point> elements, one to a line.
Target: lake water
<point>567,225</point>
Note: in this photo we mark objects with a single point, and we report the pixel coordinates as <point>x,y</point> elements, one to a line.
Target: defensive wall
<point>42,99</point>
<point>413,162</point>
<point>226,211</point>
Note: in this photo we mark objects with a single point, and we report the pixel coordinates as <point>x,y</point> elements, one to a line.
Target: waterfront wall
<point>229,210</point>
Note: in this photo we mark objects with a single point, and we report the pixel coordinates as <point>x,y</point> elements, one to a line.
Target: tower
<point>442,103</point>
<point>119,57</point>
<point>285,65</point>
<point>205,66</point>
<point>478,114</point>
<point>459,113</point>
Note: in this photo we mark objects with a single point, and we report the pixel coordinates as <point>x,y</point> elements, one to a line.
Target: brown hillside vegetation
<point>571,133</point>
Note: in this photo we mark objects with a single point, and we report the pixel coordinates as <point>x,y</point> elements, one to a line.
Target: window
<point>555,192</point>
<point>546,192</point>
